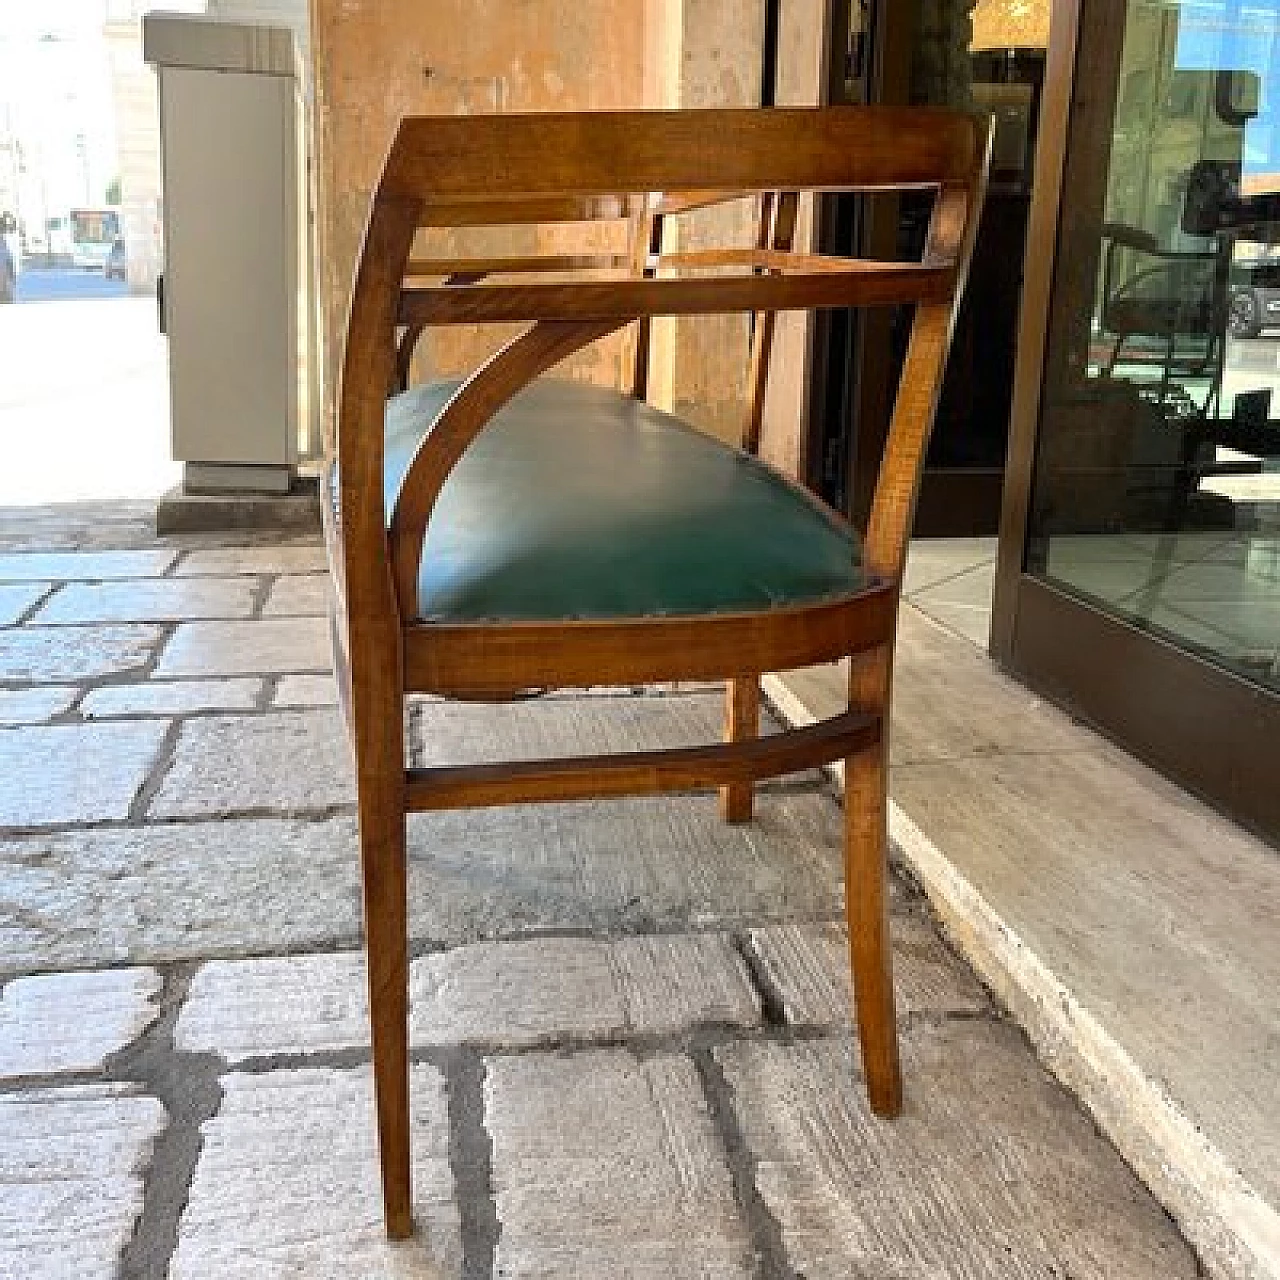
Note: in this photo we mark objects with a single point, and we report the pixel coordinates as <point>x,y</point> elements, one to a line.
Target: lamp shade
<point>1010,24</point>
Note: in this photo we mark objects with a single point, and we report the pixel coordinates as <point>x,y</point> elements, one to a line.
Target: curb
<point>1232,1229</point>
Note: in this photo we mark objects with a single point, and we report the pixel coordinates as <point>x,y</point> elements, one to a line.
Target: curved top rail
<point>445,159</point>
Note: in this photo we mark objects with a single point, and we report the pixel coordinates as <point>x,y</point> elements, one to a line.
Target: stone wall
<point>705,53</point>
<point>377,59</point>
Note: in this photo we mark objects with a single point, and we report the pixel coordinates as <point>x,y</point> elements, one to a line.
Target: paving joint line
<point>147,790</point>
<point>315,814</point>
<point>772,1005</point>
<point>268,690</point>
<point>74,713</point>
<point>763,1228</point>
<point>31,610</point>
<point>471,1160</point>
<point>19,1084</point>
<point>187,1086</point>
<point>423,946</point>
<point>264,585</point>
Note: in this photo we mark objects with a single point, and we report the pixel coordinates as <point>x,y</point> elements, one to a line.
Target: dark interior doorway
<point>924,52</point>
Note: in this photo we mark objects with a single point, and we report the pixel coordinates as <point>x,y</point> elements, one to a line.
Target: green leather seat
<point>579,502</point>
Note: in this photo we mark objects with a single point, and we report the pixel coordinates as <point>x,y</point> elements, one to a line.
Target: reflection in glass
<point>1157,490</point>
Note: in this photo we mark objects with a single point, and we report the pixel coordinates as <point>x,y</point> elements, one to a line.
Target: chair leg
<point>381,804</point>
<point>741,723</point>
<point>867,907</point>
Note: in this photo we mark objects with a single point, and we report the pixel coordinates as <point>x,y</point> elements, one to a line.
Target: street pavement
<point>632,1051</point>
<point>84,411</point>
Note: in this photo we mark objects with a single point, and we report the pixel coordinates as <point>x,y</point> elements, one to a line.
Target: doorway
<point>987,56</point>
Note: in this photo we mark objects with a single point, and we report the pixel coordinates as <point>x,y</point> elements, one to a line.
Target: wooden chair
<point>575,536</point>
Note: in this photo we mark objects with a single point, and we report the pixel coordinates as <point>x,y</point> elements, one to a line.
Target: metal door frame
<point>1207,728</point>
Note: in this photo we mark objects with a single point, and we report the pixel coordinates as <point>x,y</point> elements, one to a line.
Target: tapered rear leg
<point>741,723</point>
<point>867,906</point>
<point>378,724</point>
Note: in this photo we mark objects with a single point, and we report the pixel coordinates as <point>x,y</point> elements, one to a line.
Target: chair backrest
<point>524,169</point>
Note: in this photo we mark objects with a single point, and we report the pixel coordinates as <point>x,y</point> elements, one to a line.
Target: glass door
<point>1150,588</point>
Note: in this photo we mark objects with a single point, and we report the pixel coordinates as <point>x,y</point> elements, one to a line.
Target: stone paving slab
<point>172,697</point>
<point>306,691</point>
<point>117,523</point>
<point>244,1009</point>
<point>298,595</point>
<point>73,1021</point>
<point>283,761</point>
<point>94,566</point>
<point>443,733</point>
<point>259,647</point>
<point>70,1178</point>
<point>625,866</point>
<point>17,598</point>
<point>35,704</point>
<point>174,892</point>
<point>223,561</point>
<point>56,655</point>
<point>519,994</point>
<point>513,994</point>
<point>604,1165</point>
<point>287,1184</point>
<point>807,965</point>
<point>991,1171</point>
<point>670,982</point>
<point>74,772</point>
<point>248,886</point>
<point>159,600</point>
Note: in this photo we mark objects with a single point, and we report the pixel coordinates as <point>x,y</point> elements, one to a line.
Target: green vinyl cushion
<point>579,502</point>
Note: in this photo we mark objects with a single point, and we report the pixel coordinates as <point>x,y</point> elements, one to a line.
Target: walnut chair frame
<point>440,172</point>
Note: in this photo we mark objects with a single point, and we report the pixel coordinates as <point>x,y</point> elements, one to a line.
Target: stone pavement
<point>631,1041</point>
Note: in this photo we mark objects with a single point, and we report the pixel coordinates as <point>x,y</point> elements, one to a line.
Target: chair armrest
<point>1120,233</point>
<point>1122,236</point>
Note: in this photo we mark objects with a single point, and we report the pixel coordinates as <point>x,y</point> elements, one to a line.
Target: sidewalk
<point>1130,930</point>
<point>631,1040</point>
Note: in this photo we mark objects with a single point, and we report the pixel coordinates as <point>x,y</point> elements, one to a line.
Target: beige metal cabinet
<point>229,139</point>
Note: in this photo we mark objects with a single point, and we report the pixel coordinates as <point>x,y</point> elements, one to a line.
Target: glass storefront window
<point>1157,484</point>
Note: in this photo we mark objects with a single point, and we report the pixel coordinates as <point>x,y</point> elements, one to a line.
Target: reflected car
<point>1253,303</point>
<point>114,267</point>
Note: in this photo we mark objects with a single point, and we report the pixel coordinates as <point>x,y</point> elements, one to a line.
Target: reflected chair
<point>1176,298</point>
<point>1180,298</point>
<point>504,533</point>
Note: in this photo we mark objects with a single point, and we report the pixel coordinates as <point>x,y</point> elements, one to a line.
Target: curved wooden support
<point>952,231</point>
<point>462,419</point>
<point>368,371</point>
<point>640,773</point>
<point>404,352</point>
<point>777,232</point>
<point>372,685</point>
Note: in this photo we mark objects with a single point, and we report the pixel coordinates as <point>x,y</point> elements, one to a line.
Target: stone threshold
<point>1225,1217</point>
